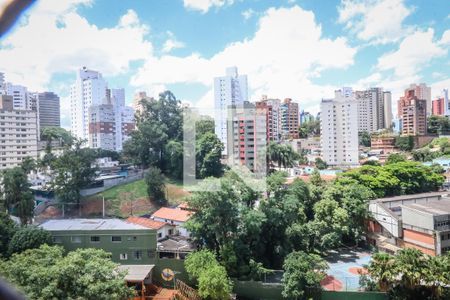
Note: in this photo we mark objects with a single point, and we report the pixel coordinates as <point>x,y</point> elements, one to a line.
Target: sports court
<point>345,267</point>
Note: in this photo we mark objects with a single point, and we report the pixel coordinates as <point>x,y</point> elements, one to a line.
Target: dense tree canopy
<point>438,125</point>
<point>28,237</point>
<point>45,273</point>
<point>212,279</point>
<point>404,143</point>
<point>16,196</point>
<point>302,271</point>
<point>71,172</point>
<point>7,230</point>
<point>155,186</point>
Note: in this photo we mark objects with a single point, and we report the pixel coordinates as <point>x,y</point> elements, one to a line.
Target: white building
<point>230,89</point>
<point>174,216</point>
<point>18,134</point>
<point>110,123</point>
<point>339,129</point>
<point>88,90</point>
<point>387,98</point>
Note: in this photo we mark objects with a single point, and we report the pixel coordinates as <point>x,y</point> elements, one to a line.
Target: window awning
<point>136,272</point>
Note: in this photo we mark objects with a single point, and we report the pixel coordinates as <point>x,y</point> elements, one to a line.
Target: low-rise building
<point>174,216</point>
<point>128,243</point>
<point>420,221</point>
<point>163,229</point>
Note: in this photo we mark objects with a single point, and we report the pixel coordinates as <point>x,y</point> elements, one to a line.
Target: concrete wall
<point>417,218</point>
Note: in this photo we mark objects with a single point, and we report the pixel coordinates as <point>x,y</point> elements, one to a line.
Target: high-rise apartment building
<point>289,119</point>
<point>339,129</point>
<point>110,123</point>
<point>387,99</point>
<point>18,133</point>
<point>271,107</point>
<point>88,90</point>
<point>374,109</point>
<point>306,117</point>
<point>421,92</point>
<point>247,137</point>
<point>414,117</point>
<point>48,107</point>
<point>438,107</point>
<point>137,101</point>
<point>231,89</point>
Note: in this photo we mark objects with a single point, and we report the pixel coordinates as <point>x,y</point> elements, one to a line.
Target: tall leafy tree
<point>208,155</point>
<point>155,185</point>
<point>16,194</point>
<point>72,171</point>
<point>302,271</point>
<point>7,230</point>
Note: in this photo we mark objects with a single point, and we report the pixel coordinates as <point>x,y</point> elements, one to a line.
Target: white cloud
<point>377,21</point>
<point>54,38</point>
<point>413,53</point>
<point>247,14</point>
<point>172,43</point>
<point>282,57</point>
<point>205,5</point>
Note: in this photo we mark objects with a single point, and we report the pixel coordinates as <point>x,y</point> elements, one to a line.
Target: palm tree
<point>381,269</point>
<point>437,274</point>
<point>410,265</point>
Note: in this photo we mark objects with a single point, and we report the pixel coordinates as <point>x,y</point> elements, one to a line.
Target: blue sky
<point>298,49</point>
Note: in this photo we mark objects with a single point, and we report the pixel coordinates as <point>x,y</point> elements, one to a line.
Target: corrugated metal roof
<point>89,224</point>
<point>136,272</point>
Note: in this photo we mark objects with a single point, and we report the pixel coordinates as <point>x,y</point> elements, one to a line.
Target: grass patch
<point>118,199</point>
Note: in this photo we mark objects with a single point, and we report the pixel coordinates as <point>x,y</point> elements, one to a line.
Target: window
<point>137,254</point>
<point>116,239</point>
<point>75,239</point>
<point>123,256</point>
<point>95,239</point>
<point>57,239</point>
<point>159,235</point>
<point>170,231</point>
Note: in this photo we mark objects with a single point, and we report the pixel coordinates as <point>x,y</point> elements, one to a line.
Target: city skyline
<point>371,46</point>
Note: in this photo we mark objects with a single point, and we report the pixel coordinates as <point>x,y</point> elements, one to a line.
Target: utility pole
<point>103,207</point>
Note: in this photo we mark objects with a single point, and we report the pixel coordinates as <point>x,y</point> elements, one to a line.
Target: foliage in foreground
<point>212,278</point>
<point>302,271</point>
<point>410,275</point>
<point>28,237</point>
<point>45,273</point>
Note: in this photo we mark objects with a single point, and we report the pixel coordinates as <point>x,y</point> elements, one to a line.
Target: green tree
<point>212,278</point>
<point>438,125</point>
<point>208,155</point>
<point>72,171</point>
<point>382,270</point>
<point>7,230</point>
<point>364,138</point>
<point>205,125</point>
<point>311,128</point>
<point>28,237</point>
<point>320,164</point>
<point>283,155</point>
<point>174,157</point>
<point>302,271</point>
<point>44,273</point>
<point>16,194</point>
<point>395,158</point>
<point>155,185</point>
<point>404,143</point>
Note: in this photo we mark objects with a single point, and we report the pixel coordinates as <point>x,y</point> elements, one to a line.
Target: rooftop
<point>409,197</point>
<point>136,272</point>
<point>435,208</point>
<point>174,214</point>
<point>176,243</point>
<point>146,222</point>
<point>89,224</point>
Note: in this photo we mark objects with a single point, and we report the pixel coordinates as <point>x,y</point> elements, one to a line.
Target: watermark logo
<point>242,130</point>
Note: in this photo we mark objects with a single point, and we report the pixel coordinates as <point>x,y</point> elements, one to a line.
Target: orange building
<point>438,107</point>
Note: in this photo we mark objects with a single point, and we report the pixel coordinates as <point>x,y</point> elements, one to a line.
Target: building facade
<point>247,137</point>
<point>438,107</point>
<point>339,129</point>
<point>271,107</point>
<point>422,92</point>
<point>48,110</point>
<point>387,98</point>
<point>18,133</point>
<point>137,101</point>
<point>88,90</point>
<point>111,123</point>
<point>128,243</point>
<point>419,221</point>
<point>414,118</point>
<point>374,109</point>
<point>231,89</point>
<point>289,119</point>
